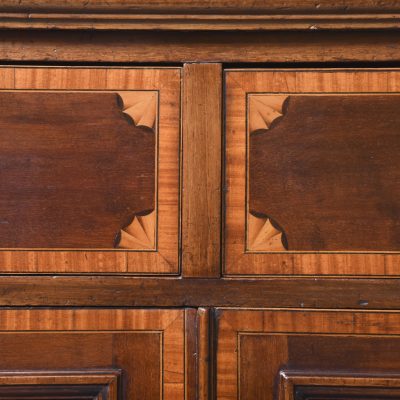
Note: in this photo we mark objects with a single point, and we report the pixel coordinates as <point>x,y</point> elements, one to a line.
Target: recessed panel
<point>75,168</point>
<point>307,354</point>
<point>93,354</point>
<point>324,170</point>
<point>312,172</point>
<point>89,176</point>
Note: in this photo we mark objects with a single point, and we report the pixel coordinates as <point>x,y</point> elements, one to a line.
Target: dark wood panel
<point>361,354</point>
<point>153,292</point>
<point>327,171</point>
<point>260,359</point>
<point>138,353</point>
<point>74,170</point>
<point>29,351</point>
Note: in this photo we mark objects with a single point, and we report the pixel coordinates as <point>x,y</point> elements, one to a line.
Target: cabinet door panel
<point>90,170</point>
<point>128,354</point>
<point>312,172</point>
<point>266,354</point>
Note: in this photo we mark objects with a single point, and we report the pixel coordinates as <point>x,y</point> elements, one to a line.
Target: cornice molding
<point>221,21</point>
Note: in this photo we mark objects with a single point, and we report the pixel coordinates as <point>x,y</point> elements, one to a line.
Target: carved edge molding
<point>104,384</point>
<point>140,234</point>
<point>159,18</point>
<point>289,380</point>
<point>263,110</point>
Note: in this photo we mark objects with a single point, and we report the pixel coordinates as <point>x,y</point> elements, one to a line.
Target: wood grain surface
<point>147,345</point>
<point>198,15</point>
<point>82,385</point>
<point>175,47</point>
<point>363,145</point>
<point>165,84</point>
<point>202,141</point>
<point>123,291</point>
<point>197,5</point>
<point>327,172</point>
<point>74,170</point>
<point>240,19</point>
<point>304,385</point>
<point>255,346</point>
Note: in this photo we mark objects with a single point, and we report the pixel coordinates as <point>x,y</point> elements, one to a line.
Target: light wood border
<point>232,323</point>
<point>239,83</point>
<point>167,82</point>
<point>169,324</point>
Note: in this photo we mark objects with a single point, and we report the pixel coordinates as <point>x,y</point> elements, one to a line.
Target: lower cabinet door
<point>105,354</point>
<point>305,355</point>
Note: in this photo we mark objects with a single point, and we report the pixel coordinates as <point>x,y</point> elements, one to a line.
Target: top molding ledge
<point>197,15</point>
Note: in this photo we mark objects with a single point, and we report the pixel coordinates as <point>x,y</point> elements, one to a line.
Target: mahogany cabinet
<point>199,200</point>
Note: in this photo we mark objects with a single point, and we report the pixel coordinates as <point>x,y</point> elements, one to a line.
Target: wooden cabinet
<point>307,354</point>
<point>90,170</point>
<point>311,172</point>
<point>199,199</point>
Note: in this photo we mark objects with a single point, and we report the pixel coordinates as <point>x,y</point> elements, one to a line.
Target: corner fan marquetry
<point>141,232</point>
<point>141,107</point>
<point>262,235</point>
<point>263,110</point>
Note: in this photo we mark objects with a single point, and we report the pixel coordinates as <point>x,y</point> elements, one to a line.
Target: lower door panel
<point>106,354</point>
<point>298,355</point>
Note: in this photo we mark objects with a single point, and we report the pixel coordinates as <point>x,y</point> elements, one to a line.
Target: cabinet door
<point>89,178</point>
<point>298,355</point>
<point>312,172</point>
<point>104,354</point>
